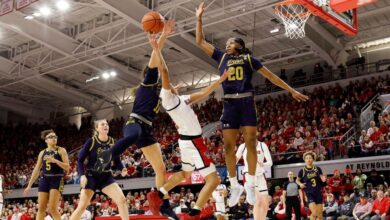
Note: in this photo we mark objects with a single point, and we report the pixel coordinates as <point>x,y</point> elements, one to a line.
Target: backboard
<point>345,21</point>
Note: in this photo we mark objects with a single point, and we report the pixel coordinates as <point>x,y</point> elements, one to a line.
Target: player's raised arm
<point>162,67</point>
<point>197,96</point>
<point>200,40</point>
<point>279,82</point>
<point>168,29</point>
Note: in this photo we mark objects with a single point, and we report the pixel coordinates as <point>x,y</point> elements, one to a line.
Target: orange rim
<point>291,2</point>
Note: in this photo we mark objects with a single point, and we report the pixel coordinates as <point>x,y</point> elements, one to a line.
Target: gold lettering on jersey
<point>100,150</point>
<point>311,175</point>
<point>235,62</point>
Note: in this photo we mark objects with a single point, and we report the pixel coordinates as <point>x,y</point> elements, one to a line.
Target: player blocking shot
<point>311,180</point>
<point>239,108</point>
<point>192,148</point>
<point>264,160</point>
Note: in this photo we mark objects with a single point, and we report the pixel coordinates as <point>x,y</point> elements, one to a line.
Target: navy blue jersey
<point>312,179</point>
<point>243,66</point>
<point>147,100</point>
<point>51,169</point>
<point>92,148</point>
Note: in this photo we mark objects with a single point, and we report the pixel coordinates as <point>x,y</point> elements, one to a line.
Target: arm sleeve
<point>151,76</point>
<point>255,63</point>
<point>267,155</point>
<point>240,151</point>
<point>118,163</point>
<point>82,155</point>
<point>217,55</point>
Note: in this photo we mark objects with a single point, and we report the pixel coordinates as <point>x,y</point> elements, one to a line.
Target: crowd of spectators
<point>288,127</point>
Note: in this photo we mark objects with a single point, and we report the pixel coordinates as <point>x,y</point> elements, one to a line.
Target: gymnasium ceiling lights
<point>46,11</point>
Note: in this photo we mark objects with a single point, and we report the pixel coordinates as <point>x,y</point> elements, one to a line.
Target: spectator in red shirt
<point>278,192</point>
<point>335,183</point>
<point>347,181</point>
<point>26,214</point>
<point>380,207</point>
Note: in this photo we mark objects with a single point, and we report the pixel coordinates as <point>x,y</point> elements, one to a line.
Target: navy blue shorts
<point>145,132</point>
<point>46,183</point>
<point>97,181</point>
<point>316,198</point>
<point>238,112</point>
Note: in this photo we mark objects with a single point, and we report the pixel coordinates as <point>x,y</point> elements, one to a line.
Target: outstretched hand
<point>169,27</point>
<point>26,191</point>
<point>153,41</point>
<point>225,75</point>
<point>299,96</point>
<point>200,10</point>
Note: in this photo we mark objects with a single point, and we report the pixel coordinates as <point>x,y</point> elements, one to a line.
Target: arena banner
<point>222,173</point>
<point>6,7</point>
<point>195,178</point>
<point>366,164</point>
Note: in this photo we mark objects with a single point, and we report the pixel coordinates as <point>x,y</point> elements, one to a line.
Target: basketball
<point>153,22</point>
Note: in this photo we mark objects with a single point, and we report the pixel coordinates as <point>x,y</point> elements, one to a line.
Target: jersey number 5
<point>237,73</point>
<point>48,166</point>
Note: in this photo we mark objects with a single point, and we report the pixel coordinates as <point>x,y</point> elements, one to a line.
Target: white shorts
<point>220,208</point>
<point>1,198</point>
<point>193,156</point>
<point>261,184</point>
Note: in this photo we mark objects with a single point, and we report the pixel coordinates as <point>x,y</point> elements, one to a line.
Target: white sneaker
<point>250,194</point>
<point>235,194</point>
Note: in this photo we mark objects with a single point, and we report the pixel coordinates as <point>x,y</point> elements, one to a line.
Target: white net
<point>321,2</point>
<point>294,17</point>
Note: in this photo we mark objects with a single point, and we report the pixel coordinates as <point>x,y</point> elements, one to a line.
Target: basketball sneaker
<point>235,194</point>
<point>250,193</point>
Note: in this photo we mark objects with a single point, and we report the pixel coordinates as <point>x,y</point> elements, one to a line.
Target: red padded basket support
<point>343,5</point>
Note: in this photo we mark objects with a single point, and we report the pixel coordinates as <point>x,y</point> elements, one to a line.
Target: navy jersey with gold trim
<point>92,148</point>
<point>147,100</point>
<point>312,179</point>
<point>51,169</point>
<point>243,66</point>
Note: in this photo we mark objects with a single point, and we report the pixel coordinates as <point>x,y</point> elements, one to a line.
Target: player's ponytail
<point>242,49</point>
<point>246,51</point>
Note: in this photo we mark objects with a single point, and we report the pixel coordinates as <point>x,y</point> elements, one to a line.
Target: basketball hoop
<point>294,17</point>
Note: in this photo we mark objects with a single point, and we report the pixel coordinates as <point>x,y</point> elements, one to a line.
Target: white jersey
<point>219,193</point>
<point>179,108</point>
<point>262,153</point>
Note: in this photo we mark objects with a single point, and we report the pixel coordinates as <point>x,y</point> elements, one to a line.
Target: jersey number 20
<point>238,73</point>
